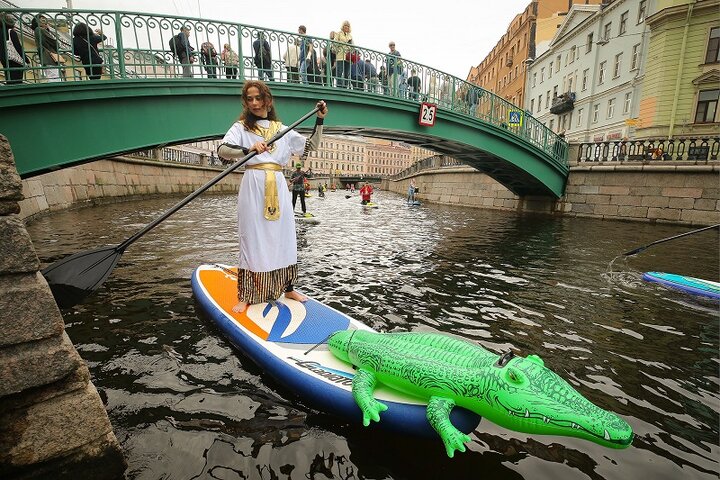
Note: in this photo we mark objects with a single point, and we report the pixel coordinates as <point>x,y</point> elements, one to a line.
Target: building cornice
<point>680,11</point>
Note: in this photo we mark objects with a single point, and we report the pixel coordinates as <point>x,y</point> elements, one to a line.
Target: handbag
<point>12,53</point>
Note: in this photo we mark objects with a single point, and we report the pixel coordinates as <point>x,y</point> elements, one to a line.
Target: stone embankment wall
<point>115,180</point>
<point>666,192</point>
<point>53,423</point>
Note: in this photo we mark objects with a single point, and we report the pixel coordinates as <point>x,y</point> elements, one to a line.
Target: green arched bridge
<point>152,93</point>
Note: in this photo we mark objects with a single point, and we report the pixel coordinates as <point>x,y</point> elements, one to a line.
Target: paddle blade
<point>75,277</point>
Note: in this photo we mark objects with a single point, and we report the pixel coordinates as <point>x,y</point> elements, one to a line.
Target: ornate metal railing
<point>137,45</point>
<point>651,150</point>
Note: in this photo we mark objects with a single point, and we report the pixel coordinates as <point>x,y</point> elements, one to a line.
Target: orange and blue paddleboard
<point>288,340</point>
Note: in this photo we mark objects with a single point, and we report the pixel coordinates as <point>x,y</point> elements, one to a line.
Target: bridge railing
<point>427,163</point>
<point>699,150</point>
<point>138,46</point>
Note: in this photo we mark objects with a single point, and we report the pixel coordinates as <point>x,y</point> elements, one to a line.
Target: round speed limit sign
<point>427,114</point>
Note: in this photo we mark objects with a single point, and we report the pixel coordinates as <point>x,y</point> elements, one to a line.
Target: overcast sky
<point>451,36</point>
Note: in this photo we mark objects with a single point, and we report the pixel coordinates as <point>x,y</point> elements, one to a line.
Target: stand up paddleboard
<point>416,203</point>
<point>694,286</point>
<point>280,337</point>
<point>306,218</point>
<point>370,205</point>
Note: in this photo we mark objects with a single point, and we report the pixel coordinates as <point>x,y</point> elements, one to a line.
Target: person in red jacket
<point>365,192</point>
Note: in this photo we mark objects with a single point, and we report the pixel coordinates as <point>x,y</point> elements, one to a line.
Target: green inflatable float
<point>514,392</point>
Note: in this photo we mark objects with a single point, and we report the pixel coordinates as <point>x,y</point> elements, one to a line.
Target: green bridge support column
<point>52,421</point>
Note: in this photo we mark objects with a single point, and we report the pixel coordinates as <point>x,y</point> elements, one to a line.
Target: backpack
<point>175,44</point>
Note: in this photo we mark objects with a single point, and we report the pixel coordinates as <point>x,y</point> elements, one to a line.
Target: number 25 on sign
<point>427,114</point>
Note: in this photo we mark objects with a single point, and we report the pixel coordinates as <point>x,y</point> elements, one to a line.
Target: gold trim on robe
<point>271,210</point>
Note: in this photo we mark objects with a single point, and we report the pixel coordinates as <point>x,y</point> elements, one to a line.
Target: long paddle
<point>640,249</point>
<point>75,277</point>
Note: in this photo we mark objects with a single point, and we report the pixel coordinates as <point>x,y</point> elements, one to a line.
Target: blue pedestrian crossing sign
<point>515,118</point>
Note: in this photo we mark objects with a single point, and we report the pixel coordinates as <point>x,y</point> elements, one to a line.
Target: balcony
<point>563,103</point>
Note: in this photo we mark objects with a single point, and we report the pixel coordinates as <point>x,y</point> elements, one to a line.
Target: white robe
<point>265,245</point>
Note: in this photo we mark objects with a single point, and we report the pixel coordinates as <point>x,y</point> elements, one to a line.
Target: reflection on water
<point>184,404</point>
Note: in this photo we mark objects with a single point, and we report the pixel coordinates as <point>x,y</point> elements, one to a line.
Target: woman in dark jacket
<point>85,44</point>
<point>14,70</point>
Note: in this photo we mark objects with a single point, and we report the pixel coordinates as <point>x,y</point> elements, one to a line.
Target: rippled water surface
<point>185,404</point>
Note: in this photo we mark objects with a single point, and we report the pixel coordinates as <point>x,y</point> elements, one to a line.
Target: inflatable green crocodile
<point>514,392</point>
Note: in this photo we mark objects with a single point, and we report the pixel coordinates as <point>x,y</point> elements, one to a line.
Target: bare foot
<point>240,307</point>
<point>296,296</point>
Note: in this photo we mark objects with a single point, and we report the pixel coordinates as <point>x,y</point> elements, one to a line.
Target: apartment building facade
<point>587,84</point>
<point>681,85</point>
<point>503,70</point>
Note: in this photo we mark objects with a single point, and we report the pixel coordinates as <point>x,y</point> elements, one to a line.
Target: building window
<point>618,65</point>
<point>534,79</point>
<point>588,45</point>
<point>552,123</point>
<point>555,91</point>
<point>572,54</point>
<point>596,112</point>
<point>547,99</point>
<point>607,32</point>
<point>539,102</point>
<point>635,62</point>
<point>586,74</point>
<point>542,74</point>
<point>579,117</point>
<point>569,84</point>
<point>641,11</point>
<point>601,74</point>
<point>623,22</point>
<point>706,106</point>
<point>532,105</point>
<point>557,63</point>
<point>628,102</point>
<point>550,70</point>
<point>611,108</point>
<point>713,50</point>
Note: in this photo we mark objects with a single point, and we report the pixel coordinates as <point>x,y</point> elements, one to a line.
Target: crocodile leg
<point>363,386</point>
<point>438,414</point>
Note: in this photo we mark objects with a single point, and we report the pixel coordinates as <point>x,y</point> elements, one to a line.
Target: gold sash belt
<point>272,202</point>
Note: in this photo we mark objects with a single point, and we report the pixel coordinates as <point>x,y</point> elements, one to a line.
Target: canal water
<point>185,404</point>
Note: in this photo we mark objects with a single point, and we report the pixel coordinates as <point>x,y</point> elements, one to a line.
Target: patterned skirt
<point>259,287</point>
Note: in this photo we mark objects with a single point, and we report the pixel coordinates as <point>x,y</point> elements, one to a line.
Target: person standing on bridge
<point>14,62</point>
<point>394,69</point>
<point>85,45</point>
<point>343,49</point>
<point>266,224</point>
<point>231,61</point>
<point>47,45</point>
<point>181,48</point>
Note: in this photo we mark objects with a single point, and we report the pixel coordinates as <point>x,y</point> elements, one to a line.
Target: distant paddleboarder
<point>365,193</point>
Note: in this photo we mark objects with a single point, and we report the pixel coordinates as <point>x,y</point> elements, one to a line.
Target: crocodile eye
<point>514,376</point>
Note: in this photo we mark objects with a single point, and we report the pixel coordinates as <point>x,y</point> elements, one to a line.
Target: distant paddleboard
<point>288,340</point>
<point>306,218</point>
<point>370,205</point>
<point>691,285</point>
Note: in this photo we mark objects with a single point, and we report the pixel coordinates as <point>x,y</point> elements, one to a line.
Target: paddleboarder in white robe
<point>267,265</point>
